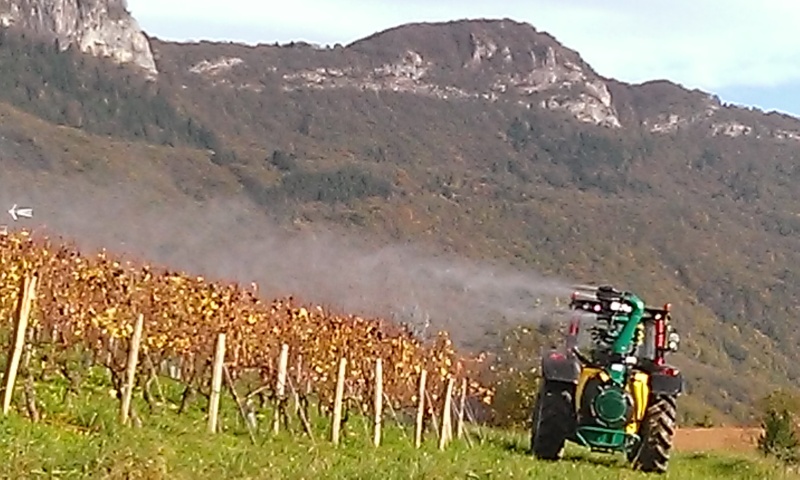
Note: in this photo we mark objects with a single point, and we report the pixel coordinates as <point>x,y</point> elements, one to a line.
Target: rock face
<point>103,28</point>
<point>493,61</point>
<point>485,60</point>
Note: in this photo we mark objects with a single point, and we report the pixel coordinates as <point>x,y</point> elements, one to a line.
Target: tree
<point>779,439</point>
<point>779,436</point>
<point>518,134</point>
<point>283,161</point>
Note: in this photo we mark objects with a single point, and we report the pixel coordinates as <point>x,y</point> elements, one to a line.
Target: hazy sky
<point>745,51</point>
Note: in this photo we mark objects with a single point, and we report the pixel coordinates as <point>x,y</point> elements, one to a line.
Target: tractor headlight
<point>673,341</point>
<point>616,306</point>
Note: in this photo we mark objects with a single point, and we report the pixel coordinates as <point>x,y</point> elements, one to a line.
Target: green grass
<point>81,438</point>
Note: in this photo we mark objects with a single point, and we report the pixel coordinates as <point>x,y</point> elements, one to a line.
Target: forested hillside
<point>488,140</point>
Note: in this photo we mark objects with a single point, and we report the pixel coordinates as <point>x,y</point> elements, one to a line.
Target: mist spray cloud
<point>231,240</point>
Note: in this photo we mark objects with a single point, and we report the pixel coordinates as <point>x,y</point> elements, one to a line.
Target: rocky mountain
<point>486,139</point>
<point>102,28</point>
<point>490,61</point>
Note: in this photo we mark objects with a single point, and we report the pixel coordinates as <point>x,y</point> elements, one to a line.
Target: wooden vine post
<point>24,305</point>
<point>216,384</point>
<point>337,402</point>
<point>461,405</point>
<point>297,382</point>
<point>133,360</point>
<point>447,430</point>
<point>283,363</point>
<point>376,440</point>
<point>420,408</point>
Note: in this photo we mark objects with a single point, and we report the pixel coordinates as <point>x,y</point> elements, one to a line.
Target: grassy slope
<point>41,152</point>
<point>81,439</point>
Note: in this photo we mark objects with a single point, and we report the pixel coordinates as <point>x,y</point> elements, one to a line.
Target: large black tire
<point>657,433</point>
<point>553,419</point>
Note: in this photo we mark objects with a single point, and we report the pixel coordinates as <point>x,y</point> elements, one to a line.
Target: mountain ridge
<point>567,83</point>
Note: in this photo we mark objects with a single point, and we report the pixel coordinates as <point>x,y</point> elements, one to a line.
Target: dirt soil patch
<point>734,439</point>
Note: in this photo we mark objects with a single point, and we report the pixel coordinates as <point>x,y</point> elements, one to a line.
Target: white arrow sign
<point>20,212</point>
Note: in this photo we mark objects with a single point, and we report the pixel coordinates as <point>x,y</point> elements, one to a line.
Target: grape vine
<point>92,302</point>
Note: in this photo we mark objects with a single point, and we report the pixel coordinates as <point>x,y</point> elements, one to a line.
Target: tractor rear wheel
<point>552,420</point>
<point>657,432</point>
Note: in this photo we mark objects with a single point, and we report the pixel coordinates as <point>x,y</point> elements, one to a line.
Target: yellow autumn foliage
<point>91,299</point>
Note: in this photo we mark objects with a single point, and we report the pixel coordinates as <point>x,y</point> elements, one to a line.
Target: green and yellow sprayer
<point>617,396</point>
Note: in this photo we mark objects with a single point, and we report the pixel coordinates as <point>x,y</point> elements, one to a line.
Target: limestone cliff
<point>488,60</point>
<point>103,28</point>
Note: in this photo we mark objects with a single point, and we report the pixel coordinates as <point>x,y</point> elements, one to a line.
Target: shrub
<point>779,437</point>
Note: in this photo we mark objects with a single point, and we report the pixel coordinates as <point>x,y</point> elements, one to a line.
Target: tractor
<point>619,395</point>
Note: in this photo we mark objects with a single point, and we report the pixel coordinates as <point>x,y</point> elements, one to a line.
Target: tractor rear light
<point>573,327</point>
<point>661,334</point>
<point>670,371</point>
<point>661,340</point>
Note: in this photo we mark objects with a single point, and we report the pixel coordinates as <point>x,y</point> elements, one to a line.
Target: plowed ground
<point>732,439</point>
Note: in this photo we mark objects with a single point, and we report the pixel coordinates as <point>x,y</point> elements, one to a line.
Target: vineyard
<point>123,317</point>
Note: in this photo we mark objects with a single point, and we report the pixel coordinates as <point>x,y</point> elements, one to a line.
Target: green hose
<point>622,343</point>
